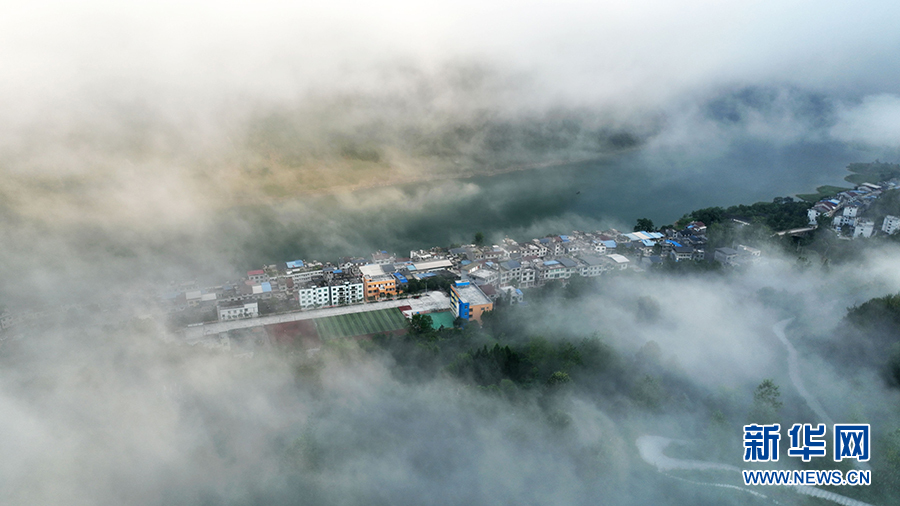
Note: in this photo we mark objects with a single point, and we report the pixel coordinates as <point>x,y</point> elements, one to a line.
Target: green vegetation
<point>881,312</point>
<point>781,214</point>
<point>432,283</point>
<point>766,403</point>
<point>420,324</point>
<point>360,324</point>
<point>644,224</point>
<point>756,225</point>
<point>822,192</point>
<point>872,172</point>
<point>869,338</point>
<point>887,203</point>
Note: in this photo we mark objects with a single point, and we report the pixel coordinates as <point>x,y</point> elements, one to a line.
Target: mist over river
<point>613,192</point>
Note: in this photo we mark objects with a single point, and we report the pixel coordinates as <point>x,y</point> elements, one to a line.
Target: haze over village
<point>468,253</point>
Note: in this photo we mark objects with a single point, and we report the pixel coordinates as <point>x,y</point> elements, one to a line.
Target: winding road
<point>794,373</point>
<point>652,448</point>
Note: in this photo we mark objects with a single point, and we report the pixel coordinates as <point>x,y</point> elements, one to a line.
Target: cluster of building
<point>847,208</point>
<point>491,272</point>
<point>487,273</point>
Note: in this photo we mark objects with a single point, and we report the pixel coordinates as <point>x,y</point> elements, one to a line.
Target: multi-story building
<point>304,274</point>
<point>864,228</point>
<point>598,247</point>
<point>348,291</point>
<point>487,276</point>
<point>528,277</point>
<point>468,302</point>
<point>383,258</point>
<point>617,261</point>
<point>237,310</point>
<point>257,276</point>
<point>726,255</point>
<point>558,245</point>
<point>891,224</point>
<point>312,295</point>
<point>550,270</point>
<point>681,253</point>
<point>510,271</point>
<point>570,265</point>
<point>593,266</point>
<point>380,286</point>
<point>540,247</point>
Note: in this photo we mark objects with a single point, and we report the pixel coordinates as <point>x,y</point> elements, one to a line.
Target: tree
<point>479,238</point>
<point>558,378</point>
<point>420,324</point>
<point>766,402</point>
<point>648,392</point>
<point>644,224</point>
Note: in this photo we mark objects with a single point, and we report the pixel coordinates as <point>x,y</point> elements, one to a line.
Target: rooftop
<point>568,262</point>
<point>471,294</point>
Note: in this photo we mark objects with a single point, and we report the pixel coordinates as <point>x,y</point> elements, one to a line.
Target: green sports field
<point>360,324</point>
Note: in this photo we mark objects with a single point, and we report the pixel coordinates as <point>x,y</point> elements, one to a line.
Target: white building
<point>513,294</point>
<point>539,247</point>
<point>891,224</point>
<point>528,277</point>
<point>304,274</point>
<point>726,255</point>
<point>681,253</point>
<point>486,276</point>
<point>314,295</point>
<point>348,292</point>
<point>383,258</point>
<point>257,276</point>
<point>749,251</point>
<point>238,311</point>
<point>864,228</point>
<point>841,220</point>
<point>593,266</point>
<point>617,261</point>
<point>552,269</point>
<point>510,271</point>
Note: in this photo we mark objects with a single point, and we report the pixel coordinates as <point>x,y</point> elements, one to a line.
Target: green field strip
<point>360,324</point>
<point>345,325</point>
<point>367,322</point>
<point>327,327</point>
<point>371,322</point>
<point>397,319</point>
<point>382,322</point>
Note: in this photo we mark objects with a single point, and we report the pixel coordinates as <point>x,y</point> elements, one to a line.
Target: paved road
<point>431,301</point>
<point>651,449</point>
<point>794,373</point>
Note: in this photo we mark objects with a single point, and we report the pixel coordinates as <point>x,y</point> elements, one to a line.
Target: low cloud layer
<point>143,145</point>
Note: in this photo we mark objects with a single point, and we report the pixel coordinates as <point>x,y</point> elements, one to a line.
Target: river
<point>660,185</point>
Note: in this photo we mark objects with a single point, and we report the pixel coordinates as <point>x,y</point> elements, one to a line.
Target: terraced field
<point>360,324</point>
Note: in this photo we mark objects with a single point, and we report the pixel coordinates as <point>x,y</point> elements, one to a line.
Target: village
<point>310,301</point>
